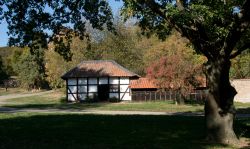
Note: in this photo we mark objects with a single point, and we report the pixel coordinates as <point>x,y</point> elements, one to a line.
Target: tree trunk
<point>219,107</point>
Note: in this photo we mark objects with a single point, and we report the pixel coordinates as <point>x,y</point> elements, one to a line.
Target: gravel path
<point>11,96</point>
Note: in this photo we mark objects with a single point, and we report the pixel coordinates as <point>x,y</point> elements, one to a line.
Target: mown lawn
<point>57,100</point>
<point>73,131</point>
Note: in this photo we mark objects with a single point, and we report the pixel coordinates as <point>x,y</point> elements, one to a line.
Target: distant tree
<point>56,65</point>
<point>217,29</point>
<point>3,74</point>
<point>126,47</point>
<point>6,53</point>
<point>25,65</point>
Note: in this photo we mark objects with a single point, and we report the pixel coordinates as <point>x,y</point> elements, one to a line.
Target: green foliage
<point>33,20</point>
<point>175,66</point>
<point>122,47</point>
<point>241,67</point>
<point>213,27</point>
<point>56,65</point>
<point>3,74</point>
<point>29,72</point>
<point>6,54</point>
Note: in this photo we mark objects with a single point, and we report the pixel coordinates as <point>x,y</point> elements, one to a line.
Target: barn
<point>98,80</point>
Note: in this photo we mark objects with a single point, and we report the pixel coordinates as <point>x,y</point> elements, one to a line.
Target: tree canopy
<point>215,28</point>
<point>32,20</point>
<point>218,29</point>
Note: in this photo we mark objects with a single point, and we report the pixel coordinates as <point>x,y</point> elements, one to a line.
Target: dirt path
<point>11,96</point>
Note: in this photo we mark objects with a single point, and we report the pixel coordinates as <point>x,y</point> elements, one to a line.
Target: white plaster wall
<point>71,97</point>
<point>125,96</point>
<point>73,89</point>
<point>124,88</point>
<point>242,86</point>
<point>124,80</point>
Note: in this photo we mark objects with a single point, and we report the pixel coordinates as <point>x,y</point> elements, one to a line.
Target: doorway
<point>103,92</point>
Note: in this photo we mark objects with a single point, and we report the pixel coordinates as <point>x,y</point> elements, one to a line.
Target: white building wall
<point>92,88</point>
<point>242,86</point>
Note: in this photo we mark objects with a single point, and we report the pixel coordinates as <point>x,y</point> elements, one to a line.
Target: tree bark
<point>219,107</point>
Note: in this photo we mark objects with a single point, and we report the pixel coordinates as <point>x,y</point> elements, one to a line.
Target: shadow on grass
<point>99,131</point>
<point>242,110</point>
<point>59,106</point>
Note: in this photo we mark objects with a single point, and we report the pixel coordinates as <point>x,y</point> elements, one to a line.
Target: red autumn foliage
<point>174,72</point>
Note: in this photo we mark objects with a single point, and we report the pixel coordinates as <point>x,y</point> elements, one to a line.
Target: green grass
<point>12,91</point>
<point>52,131</point>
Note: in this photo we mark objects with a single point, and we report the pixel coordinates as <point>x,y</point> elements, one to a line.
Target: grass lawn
<point>73,131</point>
<point>12,91</point>
<point>16,91</point>
<point>54,100</point>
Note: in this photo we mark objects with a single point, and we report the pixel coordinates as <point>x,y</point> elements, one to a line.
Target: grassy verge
<point>52,131</point>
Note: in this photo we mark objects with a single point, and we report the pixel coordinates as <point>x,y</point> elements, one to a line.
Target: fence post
<point>145,96</point>
<point>160,96</point>
<point>170,95</point>
<point>155,96</point>
<point>165,95</point>
<point>150,96</point>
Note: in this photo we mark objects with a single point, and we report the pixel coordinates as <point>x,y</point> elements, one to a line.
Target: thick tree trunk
<point>219,107</point>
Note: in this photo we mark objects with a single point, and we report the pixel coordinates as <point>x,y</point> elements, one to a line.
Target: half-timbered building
<point>98,79</point>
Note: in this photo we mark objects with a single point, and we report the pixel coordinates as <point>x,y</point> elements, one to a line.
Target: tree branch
<point>241,24</point>
<point>240,50</point>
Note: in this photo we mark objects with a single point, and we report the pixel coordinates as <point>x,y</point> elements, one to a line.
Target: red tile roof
<point>142,83</point>
<point>99,68</point>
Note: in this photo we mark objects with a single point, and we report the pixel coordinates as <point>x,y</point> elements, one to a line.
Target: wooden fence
<point>198,95</point>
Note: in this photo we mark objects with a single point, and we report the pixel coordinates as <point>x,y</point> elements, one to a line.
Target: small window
<point>113,95</point>
<point>82,81</point>
<point>82,96</point>
<point>113,80</point>
<point>92,80</point>
<point>92,88</point>
<point>82,89</point>
<point>72,89</point>
<point>103,81</point>
<point>114,88</point>
<point>71,81</point>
